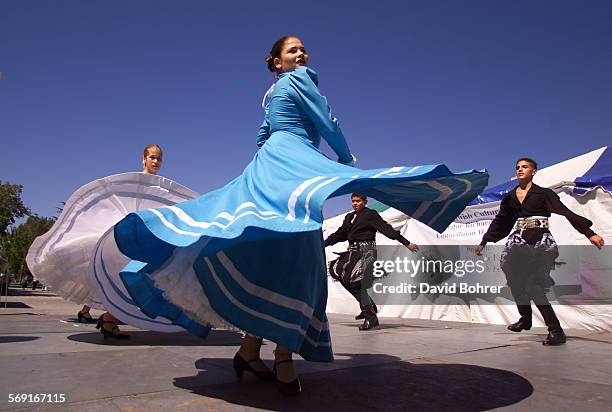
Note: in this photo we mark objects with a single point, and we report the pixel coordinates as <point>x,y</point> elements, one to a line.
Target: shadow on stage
<point>148,338</point>
<point>372,382</point>
<point>15,305</point>
<point>13,339</point>
<point>390,325</point>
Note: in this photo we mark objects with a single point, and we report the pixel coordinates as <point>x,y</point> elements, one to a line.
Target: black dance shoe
<point>519,326</point>
<point>555,338</point>
<point>362,314</point>
<point>292,388</point>
<point>241,365</point>
<point>85,317</point>
<point>110,333</point>
<point>369,323</point>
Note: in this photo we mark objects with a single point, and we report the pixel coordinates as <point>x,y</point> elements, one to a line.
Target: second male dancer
<point>354,267</point>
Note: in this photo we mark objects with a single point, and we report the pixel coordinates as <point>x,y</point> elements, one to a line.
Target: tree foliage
<point>15,244</point>
<point>11,206</point>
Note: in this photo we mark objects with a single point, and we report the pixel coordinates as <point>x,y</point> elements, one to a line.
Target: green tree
<point>11,206</point>
<point>15,244</point>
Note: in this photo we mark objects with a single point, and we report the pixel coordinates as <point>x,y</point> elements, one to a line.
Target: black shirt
<point>539,201</point>
<point>364,228</point>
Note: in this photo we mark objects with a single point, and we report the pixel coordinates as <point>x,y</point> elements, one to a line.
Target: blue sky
<point>472,84</point>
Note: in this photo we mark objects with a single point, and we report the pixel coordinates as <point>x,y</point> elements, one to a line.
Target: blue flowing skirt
<point>250,255</point>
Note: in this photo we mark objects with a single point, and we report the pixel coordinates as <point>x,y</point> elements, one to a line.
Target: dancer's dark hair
<point>275,51</point>
<point>528,160</point>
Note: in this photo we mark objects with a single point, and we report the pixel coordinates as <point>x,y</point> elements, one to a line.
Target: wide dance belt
<point>362,246</point>
<point>532,223</point>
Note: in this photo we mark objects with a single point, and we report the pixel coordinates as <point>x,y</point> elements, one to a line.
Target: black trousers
<point>366,304</point>
<point>524,294</point>
<point>357,282</point>
<point>527,269</point>
<point>548,313</point>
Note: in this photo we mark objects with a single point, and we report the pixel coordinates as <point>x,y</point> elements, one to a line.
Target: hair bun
<point>270,63</point>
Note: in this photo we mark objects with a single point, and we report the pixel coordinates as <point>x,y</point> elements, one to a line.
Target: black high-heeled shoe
<point>85,317</point>
<point>110,334</point>
<point>241,365</point>
<point>292,388</point>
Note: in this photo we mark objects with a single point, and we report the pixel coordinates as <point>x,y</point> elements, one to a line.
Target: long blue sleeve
<point>315,105</point>
<point>264,133</point>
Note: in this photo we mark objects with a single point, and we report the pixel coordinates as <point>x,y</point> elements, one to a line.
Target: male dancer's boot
<point>371,320</point>
<point>556,336</point>
<point>362,316</point>
<point>524,323</point>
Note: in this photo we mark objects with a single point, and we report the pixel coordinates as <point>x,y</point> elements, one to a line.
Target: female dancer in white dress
<point>61,257</point>
<point>107,323</point>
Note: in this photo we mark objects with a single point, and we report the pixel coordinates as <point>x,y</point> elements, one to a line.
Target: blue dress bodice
<point>296,106</point>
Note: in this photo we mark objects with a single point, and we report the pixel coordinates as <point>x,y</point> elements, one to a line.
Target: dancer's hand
<point>597,241</point>
<point>413,247</point>
<point>478,249</point>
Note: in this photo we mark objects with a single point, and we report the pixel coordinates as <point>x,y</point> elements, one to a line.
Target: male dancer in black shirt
<point>530,250</point>
<point>354,267</point>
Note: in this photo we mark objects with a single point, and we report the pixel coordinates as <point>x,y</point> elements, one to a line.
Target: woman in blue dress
<point>250,255</point>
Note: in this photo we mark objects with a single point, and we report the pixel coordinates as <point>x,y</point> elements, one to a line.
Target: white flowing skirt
<point>62,258</point>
